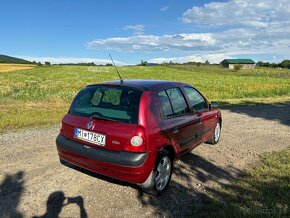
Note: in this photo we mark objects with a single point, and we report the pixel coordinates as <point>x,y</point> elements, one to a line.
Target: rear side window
<point>173,102</point>
<point>120,104</point>
<point>165,104</point>
<point>196,100</point>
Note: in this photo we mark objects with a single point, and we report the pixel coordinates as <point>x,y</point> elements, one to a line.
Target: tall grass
<point>41,95</point>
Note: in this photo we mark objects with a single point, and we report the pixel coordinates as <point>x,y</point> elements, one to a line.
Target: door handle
<point>175,130</point>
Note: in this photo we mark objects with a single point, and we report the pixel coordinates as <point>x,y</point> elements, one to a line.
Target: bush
<point>237,67</point>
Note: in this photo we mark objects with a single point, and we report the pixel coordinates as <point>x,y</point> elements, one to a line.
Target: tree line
<point>283,64</point>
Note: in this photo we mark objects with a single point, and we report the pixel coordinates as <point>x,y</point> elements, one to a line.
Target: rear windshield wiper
<point>97,117</point>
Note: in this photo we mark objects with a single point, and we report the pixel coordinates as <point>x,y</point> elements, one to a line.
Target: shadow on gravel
<point>279,112</point>
<point>57,200</point>
<point>10,192</point>
<point>98,176</point>
<point>186,190</point>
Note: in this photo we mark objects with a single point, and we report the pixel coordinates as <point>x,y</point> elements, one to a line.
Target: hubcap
<point>163,173</point>
<point>217,132</point>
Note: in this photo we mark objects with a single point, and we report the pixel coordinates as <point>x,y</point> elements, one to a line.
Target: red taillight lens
<point>137,142</point>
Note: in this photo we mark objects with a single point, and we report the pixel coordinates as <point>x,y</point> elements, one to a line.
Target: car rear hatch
<point>103,116</point>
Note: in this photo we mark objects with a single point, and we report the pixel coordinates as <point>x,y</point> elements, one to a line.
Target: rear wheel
<point>217,134</point>
<point>161,173</point>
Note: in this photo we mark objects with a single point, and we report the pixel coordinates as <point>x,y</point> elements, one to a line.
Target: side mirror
<point>214,104</point>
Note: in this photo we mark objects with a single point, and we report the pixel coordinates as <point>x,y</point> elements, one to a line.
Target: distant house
<point>246,63</point>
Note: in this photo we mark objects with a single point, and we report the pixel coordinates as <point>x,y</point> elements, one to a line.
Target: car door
<point>201,109</point>
<point>181,124</point>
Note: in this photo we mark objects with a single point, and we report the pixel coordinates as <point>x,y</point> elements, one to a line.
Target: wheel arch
<point>171,150</point>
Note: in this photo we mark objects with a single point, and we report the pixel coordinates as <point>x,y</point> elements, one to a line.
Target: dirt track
<point>33,183</point>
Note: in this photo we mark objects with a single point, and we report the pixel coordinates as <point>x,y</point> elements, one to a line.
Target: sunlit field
<point>14,67</point>
<point>41,95</point>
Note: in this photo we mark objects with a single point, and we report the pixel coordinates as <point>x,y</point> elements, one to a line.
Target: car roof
<point>140,83</point>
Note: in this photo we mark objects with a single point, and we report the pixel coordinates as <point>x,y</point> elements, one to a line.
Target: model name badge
<point>115,142</point>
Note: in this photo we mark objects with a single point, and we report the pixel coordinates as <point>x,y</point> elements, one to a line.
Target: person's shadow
<point>11,190</point>
<point>57,200</point>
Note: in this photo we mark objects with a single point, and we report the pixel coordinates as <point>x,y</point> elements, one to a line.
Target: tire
<point>217,134</point>
<point>161,174</point>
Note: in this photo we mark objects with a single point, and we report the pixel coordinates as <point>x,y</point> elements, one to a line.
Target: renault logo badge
<point>90,124</point>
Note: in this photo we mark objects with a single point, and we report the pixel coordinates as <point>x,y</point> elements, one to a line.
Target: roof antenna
<point>116,69</point>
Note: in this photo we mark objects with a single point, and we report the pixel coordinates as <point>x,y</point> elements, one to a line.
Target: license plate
<point>91,137</point>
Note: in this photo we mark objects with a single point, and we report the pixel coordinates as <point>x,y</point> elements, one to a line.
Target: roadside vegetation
<point>264,191</point>
<point>41,95</point>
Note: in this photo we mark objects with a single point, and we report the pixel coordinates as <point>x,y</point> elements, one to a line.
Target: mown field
<point>14,67</point>
<point>41,95</point>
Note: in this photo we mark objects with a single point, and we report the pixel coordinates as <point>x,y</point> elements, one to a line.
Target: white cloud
<point>134,27</point>
<point>67,60</point>
<point>149,43</point>
<point>248,27</point>
<point>275,38</point>
<point>137,29</point>
<point>212,58</point>
<point>165,8</point>
<point>248,13</point>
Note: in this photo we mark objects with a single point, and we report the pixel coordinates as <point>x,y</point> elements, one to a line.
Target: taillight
<point>137,142</point>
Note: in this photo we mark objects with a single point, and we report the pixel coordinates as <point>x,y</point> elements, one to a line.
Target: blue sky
<point>152,30</point>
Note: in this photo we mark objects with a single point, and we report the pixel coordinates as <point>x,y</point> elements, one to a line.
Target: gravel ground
<point>34,183</point>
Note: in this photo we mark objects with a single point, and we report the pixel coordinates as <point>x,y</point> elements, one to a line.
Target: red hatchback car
<point>134,130</point>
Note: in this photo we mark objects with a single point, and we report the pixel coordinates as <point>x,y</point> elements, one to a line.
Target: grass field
<point>41,95</point>
<point>262,192</point>
<point>14,67</point>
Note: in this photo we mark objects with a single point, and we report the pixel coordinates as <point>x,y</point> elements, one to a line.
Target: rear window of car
<point>120,104</point>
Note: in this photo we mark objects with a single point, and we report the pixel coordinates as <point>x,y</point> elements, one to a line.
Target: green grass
<point>264,191</point>
<point>41,96</point>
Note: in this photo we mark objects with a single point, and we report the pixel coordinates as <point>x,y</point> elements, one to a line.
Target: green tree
<point>143,63</point>
<point>285,64</point>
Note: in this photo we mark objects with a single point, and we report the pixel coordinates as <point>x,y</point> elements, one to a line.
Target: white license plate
<point>91,137</point>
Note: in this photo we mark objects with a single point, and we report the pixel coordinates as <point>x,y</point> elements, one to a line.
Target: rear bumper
<point>126,166</point>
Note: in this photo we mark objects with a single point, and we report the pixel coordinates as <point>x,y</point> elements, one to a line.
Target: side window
<point>173,102</point>
<point>196,100</point>
<point>177,100</point>
<point>165,104</point>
